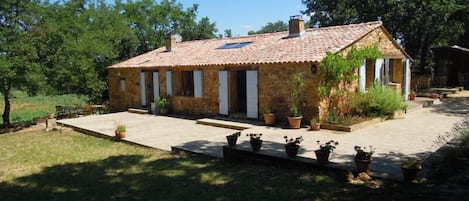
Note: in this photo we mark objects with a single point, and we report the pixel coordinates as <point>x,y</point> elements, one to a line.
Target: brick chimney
<point>296,26</point>
<point>171,42</point>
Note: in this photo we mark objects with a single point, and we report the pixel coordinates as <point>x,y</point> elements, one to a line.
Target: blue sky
<point>242,16</point>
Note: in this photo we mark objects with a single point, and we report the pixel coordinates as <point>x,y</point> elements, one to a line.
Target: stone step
<point>137,111</point>
<point>224,124</point>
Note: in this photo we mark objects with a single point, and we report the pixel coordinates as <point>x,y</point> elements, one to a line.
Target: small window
<point>234,45</point>
<point>187,83</point>
<point>122,84</point>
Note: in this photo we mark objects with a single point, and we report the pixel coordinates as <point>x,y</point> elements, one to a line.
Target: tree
<point>228,33</point>
<point>419,24</point>
<point>271,28</point>
<point>18,67</point>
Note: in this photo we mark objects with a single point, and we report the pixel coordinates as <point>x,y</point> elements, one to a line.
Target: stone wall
<point>122,99</point>
<point>383,40</point>
<point>275,87</point>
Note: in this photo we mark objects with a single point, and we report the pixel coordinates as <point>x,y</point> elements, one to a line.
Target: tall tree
<point>18,67</point>
<point>418,24</point>
<point>271,28</point>
<point>228,33</point>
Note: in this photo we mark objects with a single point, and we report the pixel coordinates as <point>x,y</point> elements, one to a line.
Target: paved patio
<point>418,135</point>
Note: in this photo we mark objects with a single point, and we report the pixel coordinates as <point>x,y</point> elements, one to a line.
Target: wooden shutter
<point>379,70</point>
<point>198,84</point>
<point>223,92</point>
<point>156,85</point>
<point>252,94</point>
<point>143,93</point>
<point>362,77</point>
<point>169,83</point>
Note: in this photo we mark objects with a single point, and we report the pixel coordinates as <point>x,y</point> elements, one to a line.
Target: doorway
<point>238,92</point>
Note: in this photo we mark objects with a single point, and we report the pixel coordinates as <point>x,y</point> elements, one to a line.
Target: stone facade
<point>274,83</point>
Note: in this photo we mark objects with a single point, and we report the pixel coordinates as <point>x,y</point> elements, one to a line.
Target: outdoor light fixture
<point>314,68</point>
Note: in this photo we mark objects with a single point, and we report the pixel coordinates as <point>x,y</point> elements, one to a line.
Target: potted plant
<point>315,125</point>
<point>298,85</point>
<point>294,120</point>
<point>255,141</point>
<point>292,145</point>
<point>322,154</point>
<point>120,131</point>
<point>163,102</point>
<point>269,116</point>
<point>233,138</point>
<point>363,158</point>
<point>410,169</point>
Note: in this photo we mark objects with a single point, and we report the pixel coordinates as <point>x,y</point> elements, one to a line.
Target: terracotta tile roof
<point>264,48</point>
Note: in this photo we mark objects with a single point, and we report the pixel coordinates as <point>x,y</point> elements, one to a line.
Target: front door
<point>240,92</point>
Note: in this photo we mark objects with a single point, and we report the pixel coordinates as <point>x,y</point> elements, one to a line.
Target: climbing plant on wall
<point>339,72</point>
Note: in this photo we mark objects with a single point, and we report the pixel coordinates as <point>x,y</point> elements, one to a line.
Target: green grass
<point>66,165</point>
<point>25,108</point>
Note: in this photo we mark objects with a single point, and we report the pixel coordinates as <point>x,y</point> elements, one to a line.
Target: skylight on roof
<point>234,45</point>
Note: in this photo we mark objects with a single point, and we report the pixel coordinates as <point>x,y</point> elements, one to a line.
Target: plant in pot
<point>410,169</point>
<point>412,95</point>
<point>120,131</point>
<point>292,145</point>
<point>294,120</point>
<point>233,138</point>
<point>269,116</point>
<point>163,103</point>
<point>322,154</point>
<point>363,158</point>
<point>298,85</point>
<point>315,125</point>
<point>255,141</point>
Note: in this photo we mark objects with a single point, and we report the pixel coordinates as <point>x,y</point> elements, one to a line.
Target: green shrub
<point>384,101</point>
<point>379,101</point>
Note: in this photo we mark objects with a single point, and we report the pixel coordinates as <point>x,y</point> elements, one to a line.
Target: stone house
<point>244,75</point>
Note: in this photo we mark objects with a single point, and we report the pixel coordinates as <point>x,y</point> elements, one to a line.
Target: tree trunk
<point>6,109</point>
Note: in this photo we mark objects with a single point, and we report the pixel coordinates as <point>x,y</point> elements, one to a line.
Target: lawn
<point>24,107</point>
<point>67,165</point>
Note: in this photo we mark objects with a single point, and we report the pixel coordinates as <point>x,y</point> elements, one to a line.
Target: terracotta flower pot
<point>269,119</point>
<point>292,150</point>
<point>255,144</point>
<point>295,122</point>
<point>322,156</point>
<point>120,135</point>
<point>412,96</point>
<point>316,127</point>
<point>362,165</point>
<point>232,140</point>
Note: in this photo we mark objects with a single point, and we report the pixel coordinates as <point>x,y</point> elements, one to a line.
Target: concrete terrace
<point>421,133</point>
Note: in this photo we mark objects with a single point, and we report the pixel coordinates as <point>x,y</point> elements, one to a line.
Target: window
<point>122,84</point>
<point>234,45</point>
<point>187,83</point>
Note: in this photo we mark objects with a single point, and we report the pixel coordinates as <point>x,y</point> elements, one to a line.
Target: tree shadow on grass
<point>136,177</point>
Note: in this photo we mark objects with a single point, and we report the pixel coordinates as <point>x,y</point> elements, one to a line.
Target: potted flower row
<point>294,120</point>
